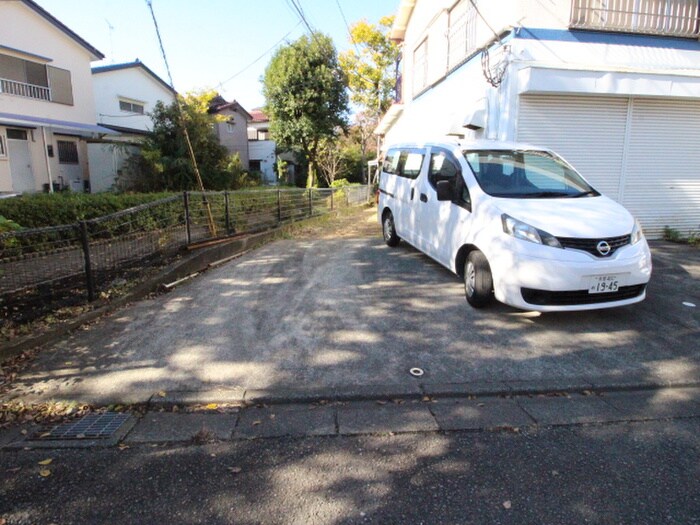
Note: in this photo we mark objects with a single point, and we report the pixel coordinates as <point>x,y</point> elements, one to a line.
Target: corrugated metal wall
<point>645,153</point>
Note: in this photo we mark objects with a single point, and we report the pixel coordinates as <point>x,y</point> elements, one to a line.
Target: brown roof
<point>258,115</point>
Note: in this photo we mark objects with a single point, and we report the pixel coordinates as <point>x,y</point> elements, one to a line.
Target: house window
<point>17,134</point>
<point>657,17</point>
<point>131,107</point>
<point>3,150</point>
<point>255,165</point>
<point>229,127</point>
<point>462,33</point>
<point>67,152</point>
<point>420,67</point>
<point>23,78</point>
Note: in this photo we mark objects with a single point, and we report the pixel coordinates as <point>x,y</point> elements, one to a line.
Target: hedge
<point>43,209</point>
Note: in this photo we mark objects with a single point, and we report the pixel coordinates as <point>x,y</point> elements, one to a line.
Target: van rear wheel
<point>478,283</point>
<point>389,230</point>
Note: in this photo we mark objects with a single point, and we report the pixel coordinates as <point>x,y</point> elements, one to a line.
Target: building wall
<point>236,139</point>
<point>264,151</point>
<point>23,29</point>
<point>131,84</point>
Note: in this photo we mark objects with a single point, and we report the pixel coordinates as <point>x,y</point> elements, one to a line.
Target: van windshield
<point>526,174</point>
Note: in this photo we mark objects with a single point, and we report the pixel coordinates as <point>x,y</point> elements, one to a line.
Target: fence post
<point>311,203</point>
<point>279,206</point>
<point>332,192</point>
<point>227,213</point>
<point>89,278</point>
<point>186,201</point>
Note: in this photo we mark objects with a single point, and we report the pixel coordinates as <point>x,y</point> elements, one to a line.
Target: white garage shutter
<point>589,132</point>
<point>662,176</point>
<point>644,153</point>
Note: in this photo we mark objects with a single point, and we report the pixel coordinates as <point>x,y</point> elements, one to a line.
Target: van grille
<point>591,245</point>
<point>576,297</point>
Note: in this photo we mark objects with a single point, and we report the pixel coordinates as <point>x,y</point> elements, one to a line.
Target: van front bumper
<point>534,282</point>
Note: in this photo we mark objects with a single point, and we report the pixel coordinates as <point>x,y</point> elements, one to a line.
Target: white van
<point>516,222</point>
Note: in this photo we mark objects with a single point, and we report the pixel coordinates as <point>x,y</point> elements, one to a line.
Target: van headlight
<point>637,233</point>
<point>524,231</point>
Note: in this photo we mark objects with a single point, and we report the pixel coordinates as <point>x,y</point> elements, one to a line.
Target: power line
<point>259,58</point>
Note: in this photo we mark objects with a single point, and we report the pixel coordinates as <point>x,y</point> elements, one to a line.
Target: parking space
<point>308,315</point>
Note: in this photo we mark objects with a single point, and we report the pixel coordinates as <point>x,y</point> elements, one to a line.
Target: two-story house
<point>612,85</point>
<point>47,110</point>
<point>125,94</point>
<point>262,148</point>
<point>233,131</point>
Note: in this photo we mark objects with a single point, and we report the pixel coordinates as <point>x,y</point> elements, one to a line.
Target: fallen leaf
<point>45,435</point>
<point>23,432</point>
<point>555,473</point>
<point>258,422</point>
<point>12,471</point>
<point>506,504</point>
<point>479,404</point>
<point>272,416</point>
<point>162,393</point>
<point>212,406</point>
<point>45,473</point>
<point>426,398</point>
<point>80,436</point>
<point>380,402</point>
<point>46,462</point>
<point>235,470</point>
<point>122,446</point>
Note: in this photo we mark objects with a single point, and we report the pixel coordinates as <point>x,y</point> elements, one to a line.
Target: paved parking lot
<point>353,314</point>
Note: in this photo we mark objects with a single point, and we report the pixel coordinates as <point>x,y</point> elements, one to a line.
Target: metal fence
<point>88,256</point>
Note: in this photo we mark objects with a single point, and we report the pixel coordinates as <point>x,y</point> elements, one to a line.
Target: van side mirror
<point>445,190</point>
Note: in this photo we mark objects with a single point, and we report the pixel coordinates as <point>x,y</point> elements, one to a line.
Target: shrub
<point>39,210</point>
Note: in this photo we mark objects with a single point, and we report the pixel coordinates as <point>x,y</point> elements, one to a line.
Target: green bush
<point>38,210</point>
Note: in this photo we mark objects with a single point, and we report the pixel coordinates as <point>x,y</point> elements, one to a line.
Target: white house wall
<point>132,84</point>
<point>25,30</point>
<point>264,151</point>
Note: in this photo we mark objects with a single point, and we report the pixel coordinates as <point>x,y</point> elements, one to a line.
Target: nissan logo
<point>603,248</point>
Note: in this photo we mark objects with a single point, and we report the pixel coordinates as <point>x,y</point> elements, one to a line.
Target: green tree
<point>164,163</point>
<point>370,65</point>
<point>306,97</point>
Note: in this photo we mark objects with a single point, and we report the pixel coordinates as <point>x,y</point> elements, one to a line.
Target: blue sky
<point>209,41</point>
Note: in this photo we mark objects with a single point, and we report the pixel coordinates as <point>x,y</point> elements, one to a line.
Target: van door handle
<point>423,197</point>
<point>413,190</point>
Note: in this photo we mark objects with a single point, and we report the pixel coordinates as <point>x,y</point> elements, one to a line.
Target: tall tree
<point>306,97</point>
<point>371,65</point>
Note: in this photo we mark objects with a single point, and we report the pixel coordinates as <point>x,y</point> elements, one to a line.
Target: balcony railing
<point>677,18</point>
<point>20,89</point>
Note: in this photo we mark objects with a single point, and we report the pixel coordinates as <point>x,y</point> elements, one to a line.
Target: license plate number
<point>604,284</point>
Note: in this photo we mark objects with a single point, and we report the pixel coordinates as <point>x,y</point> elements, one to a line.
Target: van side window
<point>411,162</point>
<point>441,168</point>
<point>391,162</point>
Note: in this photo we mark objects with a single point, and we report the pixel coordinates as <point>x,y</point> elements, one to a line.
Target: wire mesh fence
<point>86,257</point>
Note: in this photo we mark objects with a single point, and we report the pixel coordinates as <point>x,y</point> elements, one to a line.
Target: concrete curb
<point>198,261</point>
<point>359,393</point>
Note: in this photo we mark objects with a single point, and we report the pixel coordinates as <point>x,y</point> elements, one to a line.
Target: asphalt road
<point>352,312</point>
<point>632,473</point>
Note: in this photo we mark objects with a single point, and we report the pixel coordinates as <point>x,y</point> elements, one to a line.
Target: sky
<point>220,44</point>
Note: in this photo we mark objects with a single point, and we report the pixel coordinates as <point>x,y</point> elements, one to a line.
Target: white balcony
<point>20,89</point>
<point>677,18</point>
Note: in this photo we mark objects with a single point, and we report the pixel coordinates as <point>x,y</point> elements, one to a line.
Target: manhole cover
<point>92,426</point>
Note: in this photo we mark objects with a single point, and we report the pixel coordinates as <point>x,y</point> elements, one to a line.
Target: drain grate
<point>92,426</point>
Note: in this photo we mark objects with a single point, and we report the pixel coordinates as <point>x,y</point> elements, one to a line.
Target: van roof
<point>482,144</point>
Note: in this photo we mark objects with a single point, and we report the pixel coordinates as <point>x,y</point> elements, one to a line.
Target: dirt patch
<point>350,222</point>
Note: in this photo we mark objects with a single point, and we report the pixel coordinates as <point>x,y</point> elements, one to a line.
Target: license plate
<point>604,284</point>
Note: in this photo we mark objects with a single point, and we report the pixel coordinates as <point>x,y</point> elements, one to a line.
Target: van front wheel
<point>478,283</point>
<point>389,230</point>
